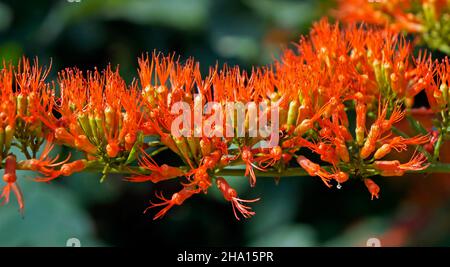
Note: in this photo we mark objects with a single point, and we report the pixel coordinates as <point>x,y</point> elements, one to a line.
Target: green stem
<point>294,172</point>
<point>155,152</point>
<point>437,147</point>
<point>289,172</point>
<point>117,170</point>
<point>24,150</point>
<point>435,168</point>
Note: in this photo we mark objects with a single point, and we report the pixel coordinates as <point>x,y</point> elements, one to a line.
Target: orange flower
<point>230,195</point>
<point>399,144</point>
<point>269,159</point>
<point>177,199</point>
<point>10,178</point>
<point>247,158</point>
<point>395,13</point>
<point>159,173</point>
<point>316,87</point>
<point>395,168</point>
<point>314,169</point>
<point>44,164</point>
<point>379,127</point>
<point>373,188</point>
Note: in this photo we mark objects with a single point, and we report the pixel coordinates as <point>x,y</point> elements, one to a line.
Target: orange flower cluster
<point>430,18</point>
<point>338,94</point>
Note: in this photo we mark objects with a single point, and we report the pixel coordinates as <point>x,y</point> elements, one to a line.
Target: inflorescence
<point>339,94</point>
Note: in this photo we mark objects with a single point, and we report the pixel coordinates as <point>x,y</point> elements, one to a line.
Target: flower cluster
<point>429,18</point>
<point>338,96</point>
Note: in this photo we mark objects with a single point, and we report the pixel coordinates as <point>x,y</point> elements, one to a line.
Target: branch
<point>272,173</point>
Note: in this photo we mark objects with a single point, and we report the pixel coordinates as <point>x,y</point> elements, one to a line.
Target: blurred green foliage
<point>297,212</point>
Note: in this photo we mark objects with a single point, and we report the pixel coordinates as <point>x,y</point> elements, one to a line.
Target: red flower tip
<point>176,199</point>
<point>10,178</point>
<point>231,195</point>
<point>373,188</point>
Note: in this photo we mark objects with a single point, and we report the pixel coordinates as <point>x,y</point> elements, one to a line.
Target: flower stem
<point>289,172</point>
<point>435,168</point>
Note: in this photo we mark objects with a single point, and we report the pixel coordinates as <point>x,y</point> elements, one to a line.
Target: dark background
<point>299,211</point>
